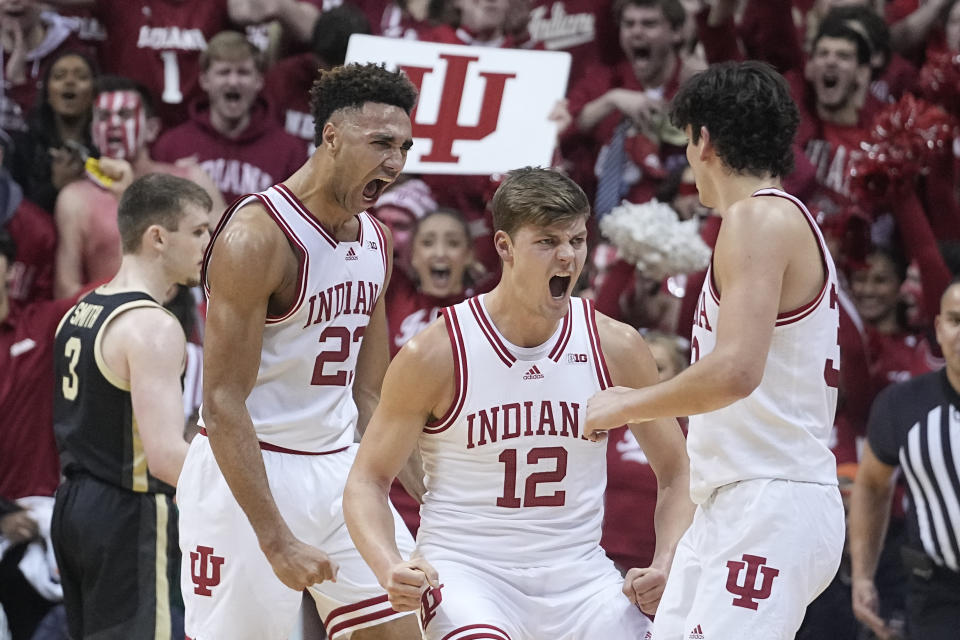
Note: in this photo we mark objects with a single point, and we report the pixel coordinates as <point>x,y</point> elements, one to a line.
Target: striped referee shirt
<point>916,425</point>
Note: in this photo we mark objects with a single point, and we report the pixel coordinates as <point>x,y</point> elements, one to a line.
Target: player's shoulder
<point>428,349</point>
<point>617,339</point>
<point>164,338</point>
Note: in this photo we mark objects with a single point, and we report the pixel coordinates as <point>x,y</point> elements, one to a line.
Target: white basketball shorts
<point>569,601</point>
<point>229,588</point>
<point>758,552</point>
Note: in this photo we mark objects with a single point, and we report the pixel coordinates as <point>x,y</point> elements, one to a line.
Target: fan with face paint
<point>119,125</point>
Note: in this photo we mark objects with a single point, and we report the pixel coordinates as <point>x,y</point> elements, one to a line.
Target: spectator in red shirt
<point>897,351</point>
<point>287,83</point>
<point>30,38</point>
<point>47,157</point>
<point>88,247</point>
<point>631,96</point>
<point>582,27</point>
<point>29,464</point>
<point>230,133</point>
<point>30,274</point>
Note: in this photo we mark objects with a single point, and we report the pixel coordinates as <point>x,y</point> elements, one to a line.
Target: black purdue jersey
<point>92,410</point>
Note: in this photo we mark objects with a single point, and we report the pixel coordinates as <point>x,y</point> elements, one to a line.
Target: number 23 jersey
<point>303,397</point>
<point>782,428</point>
<point>508,462</point>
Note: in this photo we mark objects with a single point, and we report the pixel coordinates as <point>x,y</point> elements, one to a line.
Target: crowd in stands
<point>216,91</point>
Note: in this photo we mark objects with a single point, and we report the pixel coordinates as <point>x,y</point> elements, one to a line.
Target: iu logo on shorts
<point>204,570</point>
<point>748,593</point>
<point>429,603</point>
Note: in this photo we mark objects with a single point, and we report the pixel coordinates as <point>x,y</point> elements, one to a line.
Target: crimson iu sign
<point>481,110</point>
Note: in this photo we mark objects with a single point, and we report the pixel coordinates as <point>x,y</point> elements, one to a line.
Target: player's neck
<point>311,186</point>
<point>732,188</point>
<point>138,273</point>
<point>4,304</point>
<point>514,321</point>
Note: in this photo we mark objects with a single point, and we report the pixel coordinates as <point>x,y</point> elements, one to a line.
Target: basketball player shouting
<point>296,330</point>
<point>494,397</point>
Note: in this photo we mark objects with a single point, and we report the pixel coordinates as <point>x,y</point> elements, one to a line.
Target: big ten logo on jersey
<point>351,298</point>
<point>205,570</point>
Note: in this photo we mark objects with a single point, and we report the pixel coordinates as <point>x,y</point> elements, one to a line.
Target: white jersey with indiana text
<point>782,428</point>
<point>510,479</point>
<point>303,399</point>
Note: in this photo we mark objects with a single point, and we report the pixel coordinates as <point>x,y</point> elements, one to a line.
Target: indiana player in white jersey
<point>762,390</point>
<point>493,395</point>
<point>295,353</point>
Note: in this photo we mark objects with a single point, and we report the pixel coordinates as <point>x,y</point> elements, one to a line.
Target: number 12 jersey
<point>510,479</point>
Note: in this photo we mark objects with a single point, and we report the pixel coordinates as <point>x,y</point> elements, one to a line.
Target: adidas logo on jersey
<point>696,634</point>
<point>533,374</point>
<point>351,254</point>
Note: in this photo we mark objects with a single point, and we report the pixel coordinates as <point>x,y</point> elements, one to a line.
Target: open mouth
<point>559,286</point>
<point>68,95</point>
<point>830,81</point>
<point>232,96</point>
<point>440,276</point>
<point>374,188</point>
<point>641,54</point>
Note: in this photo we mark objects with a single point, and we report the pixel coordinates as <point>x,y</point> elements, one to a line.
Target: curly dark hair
<point>352,86</point>
<point>747,108</point>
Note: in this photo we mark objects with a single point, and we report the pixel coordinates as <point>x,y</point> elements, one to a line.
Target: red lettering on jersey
<point>546,418</point>
<point>702,320</point>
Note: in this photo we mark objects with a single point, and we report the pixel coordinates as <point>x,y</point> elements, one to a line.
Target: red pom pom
<point>904,139</point>
<point>940,80</point>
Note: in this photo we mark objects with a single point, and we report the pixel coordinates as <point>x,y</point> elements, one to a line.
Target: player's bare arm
<point>70,213</point>
<point>151,363</point>
<point>418,386</point>
<point>754,248</point>
<point>632,365</point>
<point>251,270</point>
<point>372,362</point>
<point>869,516</point>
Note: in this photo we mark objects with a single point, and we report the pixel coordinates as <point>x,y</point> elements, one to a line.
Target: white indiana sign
<point>481,110</point>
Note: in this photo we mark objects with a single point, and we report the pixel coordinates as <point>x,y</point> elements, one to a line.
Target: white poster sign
<point>481,110</point>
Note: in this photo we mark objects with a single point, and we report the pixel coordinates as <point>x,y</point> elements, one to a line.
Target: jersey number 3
<point>530,498</point>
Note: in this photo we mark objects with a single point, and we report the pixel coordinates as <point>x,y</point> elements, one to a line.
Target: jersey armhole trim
<point>303,259</point>
<point>600,363</point>
<point>460,378</point>
<point>109,374</point>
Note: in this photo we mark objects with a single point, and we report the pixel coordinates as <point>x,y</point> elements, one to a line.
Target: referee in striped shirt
<point>915,426</point>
